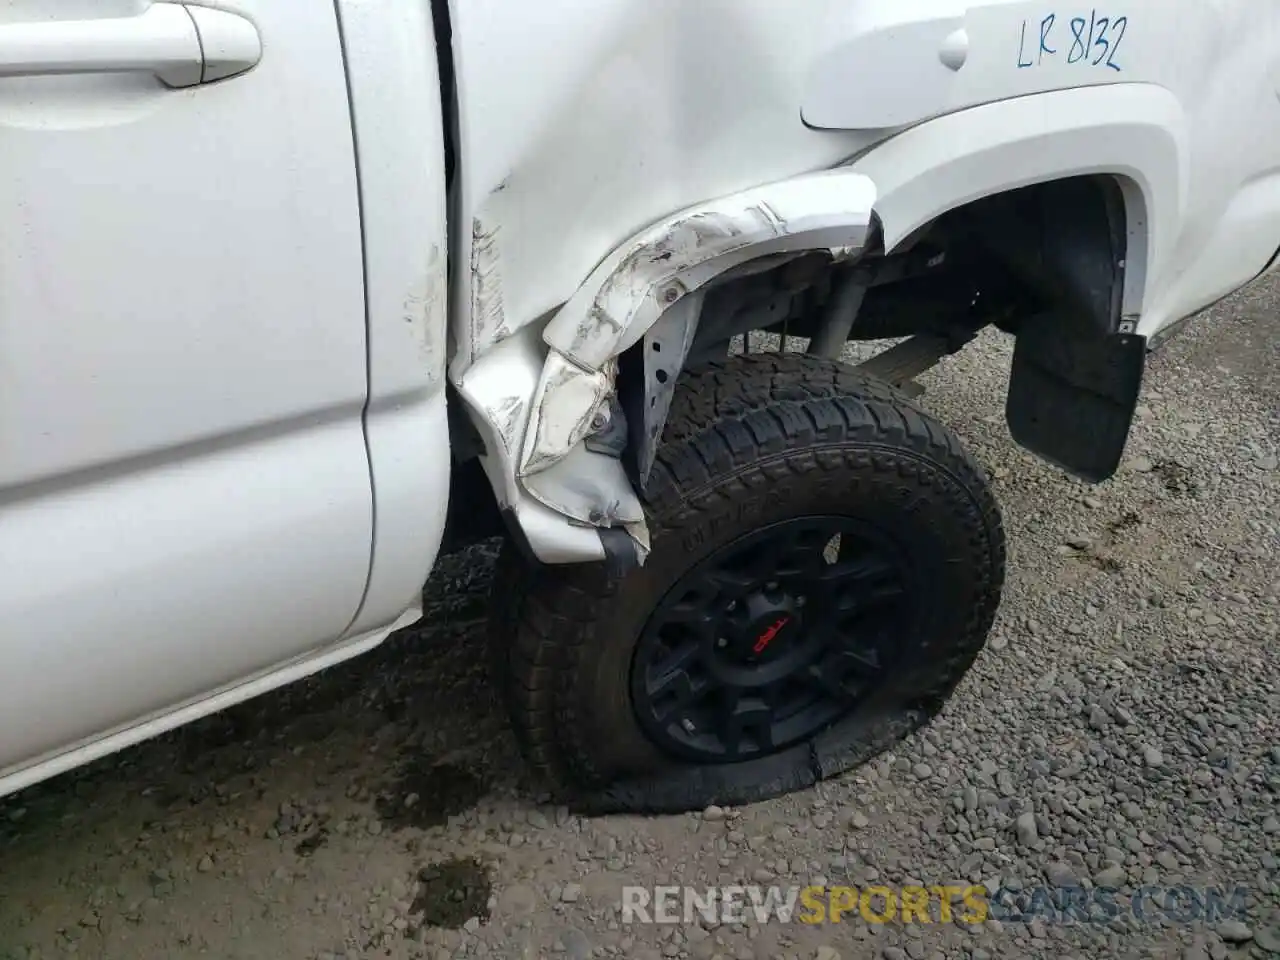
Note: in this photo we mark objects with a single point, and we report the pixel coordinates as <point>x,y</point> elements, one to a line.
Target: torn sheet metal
<point>537,397</point>
<point>660,266</point>
<point>564,391</point>
<point>627,293</point>
<point>591,488</point>
<point>556,539</point>
<point>499,389</point>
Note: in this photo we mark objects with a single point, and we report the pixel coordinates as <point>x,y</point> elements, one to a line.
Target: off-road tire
<point>750,439</point>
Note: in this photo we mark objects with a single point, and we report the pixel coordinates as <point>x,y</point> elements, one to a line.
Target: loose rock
<point>1234,931</point>
<point>1026,829</point>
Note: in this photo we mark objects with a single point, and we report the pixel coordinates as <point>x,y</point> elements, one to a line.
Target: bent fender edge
<point>537,397</point>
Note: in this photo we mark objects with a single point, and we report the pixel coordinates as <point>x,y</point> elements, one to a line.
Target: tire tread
<point>733,423</point>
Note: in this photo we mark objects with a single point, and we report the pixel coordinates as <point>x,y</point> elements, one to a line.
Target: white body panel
<point>1135,132</point>
<point>187,504</point>
<point>395,93</point>
<point>1185,88</point>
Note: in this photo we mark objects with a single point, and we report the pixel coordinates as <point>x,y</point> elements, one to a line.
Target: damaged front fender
<point>658,267</point>
<point>537,437</point>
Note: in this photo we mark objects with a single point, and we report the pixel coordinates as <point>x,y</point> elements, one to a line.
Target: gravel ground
<point>1122,729</point>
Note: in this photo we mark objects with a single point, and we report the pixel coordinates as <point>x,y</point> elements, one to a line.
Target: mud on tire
<point>756,443</point>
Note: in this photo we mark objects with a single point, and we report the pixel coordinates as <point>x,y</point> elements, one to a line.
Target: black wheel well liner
<point>1057,253</point>
<point>1066,240</point>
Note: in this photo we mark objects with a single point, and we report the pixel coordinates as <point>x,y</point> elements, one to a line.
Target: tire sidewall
<point>935,520</point>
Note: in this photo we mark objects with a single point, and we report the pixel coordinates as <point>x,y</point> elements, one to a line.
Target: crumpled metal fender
<point>535,404</point>
<point>627,293</point>
<point>499,390</point>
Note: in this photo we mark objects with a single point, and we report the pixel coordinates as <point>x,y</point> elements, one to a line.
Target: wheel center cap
<point>769,634</point>
<point>773,627</point>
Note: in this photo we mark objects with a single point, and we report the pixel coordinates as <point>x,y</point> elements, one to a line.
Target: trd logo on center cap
<point>767,637</point>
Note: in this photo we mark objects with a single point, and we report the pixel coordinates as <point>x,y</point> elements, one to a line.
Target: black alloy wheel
<point>771,639</point>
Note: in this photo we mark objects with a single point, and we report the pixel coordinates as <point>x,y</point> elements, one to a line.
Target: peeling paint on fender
<point>564,393</point>
<point>658,267</point>
<point>488,317</point>
<point>590,488</point>
<point>424,303</point>
<point>536,396</point>
<point>499,390</point>
<point>651,268</point>
<point>627,293</point>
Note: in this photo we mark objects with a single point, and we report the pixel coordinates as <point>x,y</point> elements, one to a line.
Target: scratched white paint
<point>568,398</point>
<point>488,324</point>
<point>654,270</point>
<point>583,123</point>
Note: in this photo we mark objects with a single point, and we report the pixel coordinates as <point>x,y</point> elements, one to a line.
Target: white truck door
<point>185,498</point>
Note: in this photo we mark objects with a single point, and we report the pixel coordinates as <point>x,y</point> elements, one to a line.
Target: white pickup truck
<point>296,294</point>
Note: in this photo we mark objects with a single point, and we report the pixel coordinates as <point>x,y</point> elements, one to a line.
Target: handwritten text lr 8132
<point>1092,41</point>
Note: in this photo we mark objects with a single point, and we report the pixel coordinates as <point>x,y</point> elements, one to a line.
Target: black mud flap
<point>1072,395</point>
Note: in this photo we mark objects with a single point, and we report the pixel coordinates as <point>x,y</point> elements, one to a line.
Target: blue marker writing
<point>1046,25</point>
<point>1022,46</point>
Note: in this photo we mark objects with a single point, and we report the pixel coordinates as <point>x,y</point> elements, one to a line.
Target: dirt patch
<point>427,794</point>
<point>1126,521</point>
<point>1177,479</point>
<point>1106,562</point>
<point>451,893</point>
<point>312,842</point>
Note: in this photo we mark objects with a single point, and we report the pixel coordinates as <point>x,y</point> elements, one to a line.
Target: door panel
<point>136,592</point>
<point>184,488</point>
